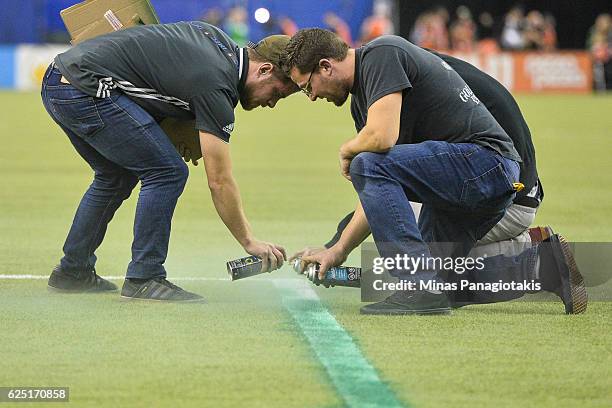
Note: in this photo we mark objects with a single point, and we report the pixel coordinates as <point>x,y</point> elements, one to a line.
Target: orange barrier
<point>562,71</point>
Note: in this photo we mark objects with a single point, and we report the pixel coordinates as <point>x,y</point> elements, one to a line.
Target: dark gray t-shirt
<point>436,105</point>
<point>184,70</point>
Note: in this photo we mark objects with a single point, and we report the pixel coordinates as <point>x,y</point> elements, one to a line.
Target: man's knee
<point>176,174</point>
<point>112,185</point>
<point>171,176</point>
<point>179,180</point>
<point>364,164</point>
<point>181,172</point>
<point>126,185</point>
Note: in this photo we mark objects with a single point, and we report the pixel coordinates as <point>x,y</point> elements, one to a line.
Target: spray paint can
<point>349,276</point>
<point>244,267</point>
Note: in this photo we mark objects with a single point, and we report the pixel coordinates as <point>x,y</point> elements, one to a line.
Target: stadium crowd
<point>438,29</point>
<point>599,43</point>
<point>464,33</point>
<point>516,31</point>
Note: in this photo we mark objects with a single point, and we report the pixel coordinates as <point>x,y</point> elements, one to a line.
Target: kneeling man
<point>423,136</point>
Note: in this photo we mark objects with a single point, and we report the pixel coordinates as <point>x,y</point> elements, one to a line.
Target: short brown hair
<point>277,72</point>
<point>308,46</point>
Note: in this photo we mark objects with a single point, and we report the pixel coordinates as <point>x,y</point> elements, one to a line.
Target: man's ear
<point>265,69</point>
<point>325,66</point>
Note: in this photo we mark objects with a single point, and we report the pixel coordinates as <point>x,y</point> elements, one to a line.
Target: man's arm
<point>311,250</point>
<point>378,135</point>
<point>341,227</point>
<point>226,198</point>
<point>354,234</point>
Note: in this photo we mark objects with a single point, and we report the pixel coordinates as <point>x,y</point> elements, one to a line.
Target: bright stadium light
<point>262,15</point>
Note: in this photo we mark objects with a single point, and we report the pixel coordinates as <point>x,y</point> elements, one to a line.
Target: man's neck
<point>347,67</point>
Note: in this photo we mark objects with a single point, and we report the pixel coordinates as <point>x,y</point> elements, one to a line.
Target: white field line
<point>178,278</point>
<point>171,278</point>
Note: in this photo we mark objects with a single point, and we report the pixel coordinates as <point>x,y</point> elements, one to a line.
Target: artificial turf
<point>242,347</point>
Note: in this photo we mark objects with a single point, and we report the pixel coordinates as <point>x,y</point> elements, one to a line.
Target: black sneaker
<point>83,281</point>
<point>410,303</point>
<point>157,289</point>
<point>560,274</point>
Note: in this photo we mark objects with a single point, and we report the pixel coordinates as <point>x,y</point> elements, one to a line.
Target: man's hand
<point>272,255</point>
<point>184,137</point>
<point>186,153</point>
<point>345,162</point>
<point>326,259</point>
<point>305,252</point>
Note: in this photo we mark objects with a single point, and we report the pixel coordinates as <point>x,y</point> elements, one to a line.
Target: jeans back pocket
<point>486,190</point>
<point>79,114</point>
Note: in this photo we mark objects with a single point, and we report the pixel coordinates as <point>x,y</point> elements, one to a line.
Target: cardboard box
<point>92,18</point>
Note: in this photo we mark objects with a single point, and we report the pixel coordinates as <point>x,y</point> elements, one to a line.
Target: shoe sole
<point>53,289</point>
<point>543,233</point>
<point>402,312</point>
<point>578,292</point>
<point>130,299</point>
<point>547,232</point>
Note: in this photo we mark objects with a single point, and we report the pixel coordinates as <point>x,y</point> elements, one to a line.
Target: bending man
<point>108,95</point>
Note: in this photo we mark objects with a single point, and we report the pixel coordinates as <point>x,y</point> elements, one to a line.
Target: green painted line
<point>354,378</point>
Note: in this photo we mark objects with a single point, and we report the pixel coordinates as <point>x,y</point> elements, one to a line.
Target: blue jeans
<point>465,189</point>
<point>123,144</point>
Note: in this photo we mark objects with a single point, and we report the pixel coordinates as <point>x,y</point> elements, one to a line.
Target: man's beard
<point>246,98</point>
<point>339,101</point>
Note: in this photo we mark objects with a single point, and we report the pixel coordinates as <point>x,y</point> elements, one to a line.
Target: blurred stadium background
<point>244,348</point>
<point>530,46</point>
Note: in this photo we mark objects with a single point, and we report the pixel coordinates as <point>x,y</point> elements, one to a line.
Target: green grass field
<point>244,348</point>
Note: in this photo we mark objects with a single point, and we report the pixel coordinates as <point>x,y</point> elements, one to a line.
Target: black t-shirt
<point>437,104</point>
<point>506,111</point>
<point>185,70</point>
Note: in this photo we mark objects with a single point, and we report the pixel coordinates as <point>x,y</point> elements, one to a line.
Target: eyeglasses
<point>307,89</point>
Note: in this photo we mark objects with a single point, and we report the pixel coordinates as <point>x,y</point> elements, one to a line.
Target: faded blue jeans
<point>123,144</point>
<point>465,189</point>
